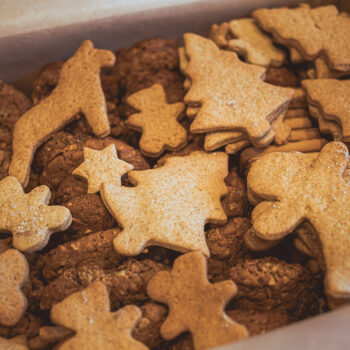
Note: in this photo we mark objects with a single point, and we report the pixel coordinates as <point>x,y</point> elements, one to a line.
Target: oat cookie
<point>195,305</point>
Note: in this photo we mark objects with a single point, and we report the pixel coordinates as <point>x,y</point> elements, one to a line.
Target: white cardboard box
<point>34,33</point>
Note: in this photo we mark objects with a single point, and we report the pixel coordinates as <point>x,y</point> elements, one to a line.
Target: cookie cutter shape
<point>88,313</point>
<point>157,120</point>
<point>237,140</point>
<point>14,272</point>
<point>332,97</point>
<point>102,166</point>
<point>252,43</point>
<point>28,216</point>
<point>219,33</point>
<point>295,191</point>
<point>231,93</point>
<point>170,205</point>
<point>326,126</point>
<point>312,32</point>
<point>78,90</point>
<point>195,305</point>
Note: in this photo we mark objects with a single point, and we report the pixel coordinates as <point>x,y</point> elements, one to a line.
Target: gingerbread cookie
<point>28,217</point>
<point>78,90</point>
<point>312,32</point>
<point>253,44</point>
<point>280,132</point>
<point>157,120</point>
<point>219,34</point>
<point>102,166</point>
<point>301,140</point>
<point>217,139</point>
<point>195,305</point>
<point>332,97</point>
<point>326,126</point>
<point>316,192</point>
<point>14,272</point>
<point>227,88</point>
<point>88,314</point>
<point>186,190</point>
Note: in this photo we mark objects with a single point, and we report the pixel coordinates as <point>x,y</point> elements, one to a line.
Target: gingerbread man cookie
<point>78,90</point>
<point>294,190</point>
<point>157,120</point>
<point>28,217</point>
<point>88,313</point>
<point>195,305</point>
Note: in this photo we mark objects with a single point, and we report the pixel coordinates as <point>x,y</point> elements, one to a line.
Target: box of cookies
<point>175,175</point>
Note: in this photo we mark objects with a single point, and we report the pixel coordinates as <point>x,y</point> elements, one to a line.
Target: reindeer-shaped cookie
<point>293,189</point>
<point>78,90</point>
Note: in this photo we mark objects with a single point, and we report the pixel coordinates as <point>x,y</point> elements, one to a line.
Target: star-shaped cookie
<point>102,166</point>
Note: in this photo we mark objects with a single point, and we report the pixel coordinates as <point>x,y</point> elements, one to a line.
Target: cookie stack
<point>224,103</point>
